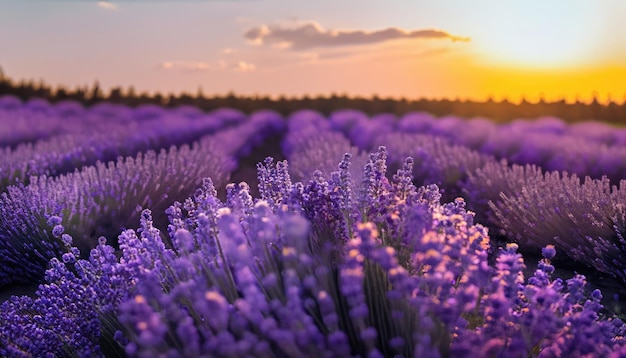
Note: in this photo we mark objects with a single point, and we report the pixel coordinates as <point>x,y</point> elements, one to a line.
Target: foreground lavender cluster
<point>321,268</point>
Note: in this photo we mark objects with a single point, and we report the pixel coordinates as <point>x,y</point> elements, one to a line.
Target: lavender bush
<point>314,146</point>
<point>584,219</point>
<point>344,120</point>
<point>89,143</point>
<point>99,200</point>
<point>437,161</point>
<point>585,149</point>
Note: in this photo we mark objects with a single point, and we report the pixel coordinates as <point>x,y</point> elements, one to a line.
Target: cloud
<point>107,5</point>
<point>310,35</point>
<point>190,66</point>
<point>243,66</point>
<point>186,66</point>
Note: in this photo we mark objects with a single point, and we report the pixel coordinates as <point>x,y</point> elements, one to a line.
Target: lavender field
<point>157,232</point>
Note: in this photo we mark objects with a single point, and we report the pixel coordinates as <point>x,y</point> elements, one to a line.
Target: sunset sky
<point>410,48</point>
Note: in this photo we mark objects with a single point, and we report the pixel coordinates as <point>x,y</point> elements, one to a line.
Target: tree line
<point>500,111</point>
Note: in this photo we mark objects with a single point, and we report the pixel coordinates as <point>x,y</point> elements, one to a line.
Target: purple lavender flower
<point>436,160</point>
<point>96,201</point>
<point>583,219</point>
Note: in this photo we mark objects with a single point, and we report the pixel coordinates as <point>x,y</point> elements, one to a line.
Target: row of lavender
<point>52,140</point>
<point>423,285</point>
<point>587,149</point>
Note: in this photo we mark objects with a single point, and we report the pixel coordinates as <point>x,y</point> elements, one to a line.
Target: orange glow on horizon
<point>605,83</point>
<point>463,75</point>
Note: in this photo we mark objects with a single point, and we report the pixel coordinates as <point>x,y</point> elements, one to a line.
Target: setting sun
<point>537,34</point>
